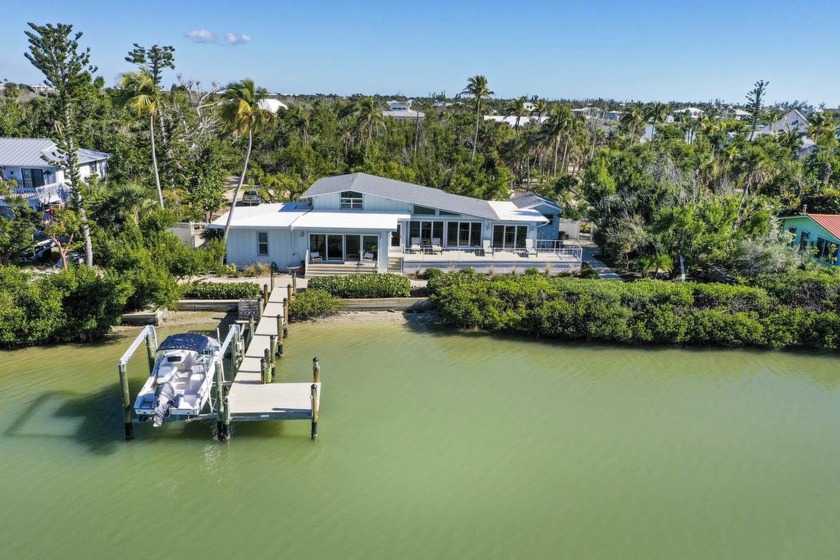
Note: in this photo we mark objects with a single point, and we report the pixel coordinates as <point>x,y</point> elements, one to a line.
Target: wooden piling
<point>273,353</point>
<point>263,369</point>
<point>272,277</point>
<point>260,306</point>
<point>280,348</point>
<point>294,284</point>
<point>279,325</point>
<point>127,408</point>
<point>150,350</point>
<point>251,327</point>
<point>289,292</point>
<point>221,427</point>
<point>286,302</point>
<point>265,294</point>
<point>314,396</point>
<point>316,370</point>
<point>267,358</point>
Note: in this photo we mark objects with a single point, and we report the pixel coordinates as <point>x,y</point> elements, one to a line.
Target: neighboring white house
<point>272,105</point>
<point>361,219</point>
<point>794,121</point>
<point>31,162</point>
<point>511,119</point>
<point>401,111</point>
<point>691,112</point>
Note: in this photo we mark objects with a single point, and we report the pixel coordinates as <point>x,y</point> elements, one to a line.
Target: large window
<point>803,240</point>
<point>351,200</point>
<point>826,250</point>
<point>338,247</point>
<point>395,237</point>
<point>425,231</point>
<point>509,237</point>
<point>463,234</point>
<point>262,243</point>
<point>33,178</point>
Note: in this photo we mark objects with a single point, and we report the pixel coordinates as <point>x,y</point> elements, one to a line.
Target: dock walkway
<point>251,399</point>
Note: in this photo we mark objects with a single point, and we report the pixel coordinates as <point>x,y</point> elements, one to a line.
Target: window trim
<point>262,245</point>
<point>351,200</point>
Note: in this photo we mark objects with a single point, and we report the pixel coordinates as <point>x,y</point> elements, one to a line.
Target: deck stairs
<point>395,265</point>
<point>339,269</point>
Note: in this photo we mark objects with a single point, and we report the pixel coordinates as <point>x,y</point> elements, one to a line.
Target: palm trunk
<point>556,149</point>
<point>477,121</point>
<point>238,187</point>
<point>154,158</point>
<point>565,153</point>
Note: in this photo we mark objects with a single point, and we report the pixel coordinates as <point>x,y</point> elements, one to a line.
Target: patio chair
<point>487,247</point>
<point>530,250</point>
<point>435,246</point>
<point>367,257</point>
<point>315,257</point>
<point>415,245</point>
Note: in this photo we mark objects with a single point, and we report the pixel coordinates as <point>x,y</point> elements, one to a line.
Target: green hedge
<point>312,303</point>
<point>222,290</point>
<point>75,305</point>
<point>649,311</point>
<point>363,285</point>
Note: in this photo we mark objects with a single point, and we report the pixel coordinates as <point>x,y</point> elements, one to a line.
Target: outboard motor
<point>165,394</point>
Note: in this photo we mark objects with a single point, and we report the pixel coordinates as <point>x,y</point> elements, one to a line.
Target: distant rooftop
<point>38,152</point>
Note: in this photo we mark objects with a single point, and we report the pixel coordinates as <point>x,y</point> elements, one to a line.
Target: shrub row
<point>222,290</point>
<point>363,285</point>
<point>75,305</point>
<point>650,312</point>
<point>313,303</point>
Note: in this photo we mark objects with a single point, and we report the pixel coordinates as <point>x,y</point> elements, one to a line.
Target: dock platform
<point>251,399</point>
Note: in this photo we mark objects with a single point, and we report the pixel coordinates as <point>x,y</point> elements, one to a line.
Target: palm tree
<point>241,115</point>
<point>657,113</point>
<point>368,117</point>
<point>823,129</point>
<point>557,127</point>
<point>516,107</point>
<point>477,87</point>
<point>631,121</point>
<point>141,94</point>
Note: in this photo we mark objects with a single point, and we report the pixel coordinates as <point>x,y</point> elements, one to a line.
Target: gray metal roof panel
<point>529,200</point>
<point>402,191</point>
<point>38,152</point>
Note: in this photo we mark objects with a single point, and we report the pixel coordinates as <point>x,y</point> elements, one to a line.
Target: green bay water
<point>434,445</point>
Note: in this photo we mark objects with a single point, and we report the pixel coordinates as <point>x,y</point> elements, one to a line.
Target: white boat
<point>179,384</point>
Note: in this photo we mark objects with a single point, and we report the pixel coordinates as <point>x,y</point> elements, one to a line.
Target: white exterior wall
<point>284,249</point>
<point>16,173</point>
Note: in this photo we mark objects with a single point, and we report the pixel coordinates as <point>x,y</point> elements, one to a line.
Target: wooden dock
<point>251,399</point>
<point>244,388</point>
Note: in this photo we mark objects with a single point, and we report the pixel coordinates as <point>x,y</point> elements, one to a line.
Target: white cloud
<point>234,39</point>
<point>201,36</point>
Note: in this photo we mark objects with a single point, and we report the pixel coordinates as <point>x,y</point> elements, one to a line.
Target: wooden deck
<point>251,399</point>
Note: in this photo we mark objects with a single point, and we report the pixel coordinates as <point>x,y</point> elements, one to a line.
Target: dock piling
<point>294,284</point>
<point>286,302</point>
<point>251,327</point>
<point>316,370</point>
<point>221,427</point>
<point>289,292</point>
<point>260,307</point>
<point>127,410</point>
<point>150,350</point>
<point>265,293</point>
<point>272,277</point>
<point>314,396</point>
<point>273,354</point>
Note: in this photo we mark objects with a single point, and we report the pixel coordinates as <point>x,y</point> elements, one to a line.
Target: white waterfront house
<point>402,111</point>
<point>32,163</point>
<point>367,223</point>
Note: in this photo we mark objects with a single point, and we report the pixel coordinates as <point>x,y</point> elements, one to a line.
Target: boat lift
<point>218,405</point>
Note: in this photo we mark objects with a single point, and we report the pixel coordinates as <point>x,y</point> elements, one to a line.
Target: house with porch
<point>363,223</point>
<point>818,231</point>
<point>31,163</point>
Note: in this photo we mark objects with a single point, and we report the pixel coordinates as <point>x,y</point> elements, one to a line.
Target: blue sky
<point>642,50</point>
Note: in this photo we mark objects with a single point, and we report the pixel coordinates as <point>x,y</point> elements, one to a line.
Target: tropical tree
<point>755,99</point>
<point>141,95</point>
<point>823,129</point>
<point>368,118</point>
<point>516,108</point>
<point>556,128</point>
<point>242,116</point>
<point>632,121</point>
<point>478,88</point>
<point>55,51</point>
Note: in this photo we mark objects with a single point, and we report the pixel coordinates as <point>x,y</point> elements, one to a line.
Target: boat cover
<point>186,341</point>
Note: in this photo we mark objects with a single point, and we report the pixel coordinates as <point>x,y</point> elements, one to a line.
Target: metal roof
<point>831,222</point>
<point>529,200</point>
<point>361,221</point>
<point>404,192</point>
<point>38,152</point>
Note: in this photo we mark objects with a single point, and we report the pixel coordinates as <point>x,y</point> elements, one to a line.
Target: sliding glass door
<point>340,247</point>
<point>463,234</point>
<point>424,231</point>
<point>509,237</point>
